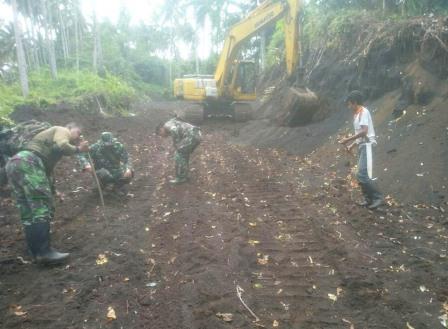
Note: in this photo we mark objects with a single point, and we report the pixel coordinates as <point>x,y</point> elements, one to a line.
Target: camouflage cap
<point>107,138</point>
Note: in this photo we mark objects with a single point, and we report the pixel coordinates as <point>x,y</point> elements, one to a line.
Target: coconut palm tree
<point>21,62</point>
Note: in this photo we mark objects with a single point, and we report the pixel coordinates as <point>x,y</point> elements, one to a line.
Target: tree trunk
<point>48,22</point>
<point>97,49</point>
<point>196,54</point>
<point>20,52</point>
<point>63,37</point>
<point>95,45</point>
<point>263,50</point>
<point>76,41</point>
<point>32,49</point>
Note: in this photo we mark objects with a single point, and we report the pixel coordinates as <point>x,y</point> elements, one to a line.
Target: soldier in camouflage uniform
<point>186,138</point>
<point>30,175</point>
<point>13,138</point>
<point>111,162</point>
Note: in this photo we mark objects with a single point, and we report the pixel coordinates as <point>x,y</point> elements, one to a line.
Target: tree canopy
<point>56,35</point>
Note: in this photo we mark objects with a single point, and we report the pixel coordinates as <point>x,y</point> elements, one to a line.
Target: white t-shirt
<point>363,118</point>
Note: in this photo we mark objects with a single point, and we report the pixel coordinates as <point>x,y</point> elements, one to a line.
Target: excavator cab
<point>244,81</point>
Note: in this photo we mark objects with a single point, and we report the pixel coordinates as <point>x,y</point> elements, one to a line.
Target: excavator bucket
<point>295,106</point>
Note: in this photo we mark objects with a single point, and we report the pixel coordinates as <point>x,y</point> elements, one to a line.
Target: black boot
<point>38,239</point>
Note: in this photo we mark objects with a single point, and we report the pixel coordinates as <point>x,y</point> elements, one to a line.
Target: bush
<point>83,91</point>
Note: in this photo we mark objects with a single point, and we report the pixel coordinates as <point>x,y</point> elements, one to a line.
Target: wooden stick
<point>100,190</point>
<point>239,292</point>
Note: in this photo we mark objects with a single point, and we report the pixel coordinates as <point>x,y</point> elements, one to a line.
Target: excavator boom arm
<point>266,13</point>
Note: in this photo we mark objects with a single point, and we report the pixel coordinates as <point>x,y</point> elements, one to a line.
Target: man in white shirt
<point>364,138</point>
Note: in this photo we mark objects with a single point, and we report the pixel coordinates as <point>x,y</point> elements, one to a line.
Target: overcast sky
<point>140,10</point>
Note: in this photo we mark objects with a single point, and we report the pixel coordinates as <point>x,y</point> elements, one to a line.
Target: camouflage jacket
<point>50,145</point>
<point>182,133</point>
<point>113,157</point>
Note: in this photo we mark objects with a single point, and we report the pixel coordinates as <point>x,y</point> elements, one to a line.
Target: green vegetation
<point>66,55</point>
<point>331,28</point>
<point>83,91</point>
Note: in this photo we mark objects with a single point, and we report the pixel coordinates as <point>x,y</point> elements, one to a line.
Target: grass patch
<point>81,90</point>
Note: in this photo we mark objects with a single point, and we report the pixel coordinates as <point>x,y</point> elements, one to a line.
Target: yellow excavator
<point>231,90</point>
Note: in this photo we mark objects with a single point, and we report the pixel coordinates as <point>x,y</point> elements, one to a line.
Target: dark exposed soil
<point>400,66</point>
<point>282,227</point>
<point>278,222</point>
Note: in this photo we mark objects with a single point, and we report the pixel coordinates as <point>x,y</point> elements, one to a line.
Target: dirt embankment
<point>402,70</point>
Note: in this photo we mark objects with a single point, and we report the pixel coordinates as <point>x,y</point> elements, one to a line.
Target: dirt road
<point>281,228</point>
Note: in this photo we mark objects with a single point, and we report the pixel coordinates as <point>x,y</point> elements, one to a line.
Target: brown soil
<point>282,227</point>
<point>401,69</point>
<point>411,157</point>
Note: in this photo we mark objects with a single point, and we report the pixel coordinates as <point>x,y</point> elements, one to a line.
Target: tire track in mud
<point>291,282</point>
<point>242,223</point>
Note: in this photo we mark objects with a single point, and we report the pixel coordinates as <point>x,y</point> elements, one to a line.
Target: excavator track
<point>193,114</point>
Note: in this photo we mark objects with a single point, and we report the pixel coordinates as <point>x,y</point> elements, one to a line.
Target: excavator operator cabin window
<point>246,78</point>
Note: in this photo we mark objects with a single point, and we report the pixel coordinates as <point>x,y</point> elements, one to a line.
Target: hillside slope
<point>402,71</point>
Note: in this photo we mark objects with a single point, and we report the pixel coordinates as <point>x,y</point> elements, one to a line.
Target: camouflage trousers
<point>182,159</point>
<point>31,188</point>
<point>113,176</point>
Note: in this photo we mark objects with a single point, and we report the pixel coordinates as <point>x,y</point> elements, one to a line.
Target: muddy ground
<point>282,228</point>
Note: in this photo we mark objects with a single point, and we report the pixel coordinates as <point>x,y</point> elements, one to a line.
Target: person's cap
<point>107,138</point>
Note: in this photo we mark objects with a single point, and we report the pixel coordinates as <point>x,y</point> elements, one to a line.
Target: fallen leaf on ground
<point>101,260</point>
<point>284,237</point>
<point>275,324</point>
<point>227,317</point>
<point>253,242</point>
<point>263,260</point>
<point>111,314</point>
<point>445,307</point>
<point>23,261</point>
<point>333,297</point>
<point>20,313</point>
<point>17,310</point>
<point>68,291</point>
<point>338,291</point>
<point>258,285</point>
<point>409,326</point>
<point>352,326</point>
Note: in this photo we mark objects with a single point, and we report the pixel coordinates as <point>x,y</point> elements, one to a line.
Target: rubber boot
<point>38,240</point>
